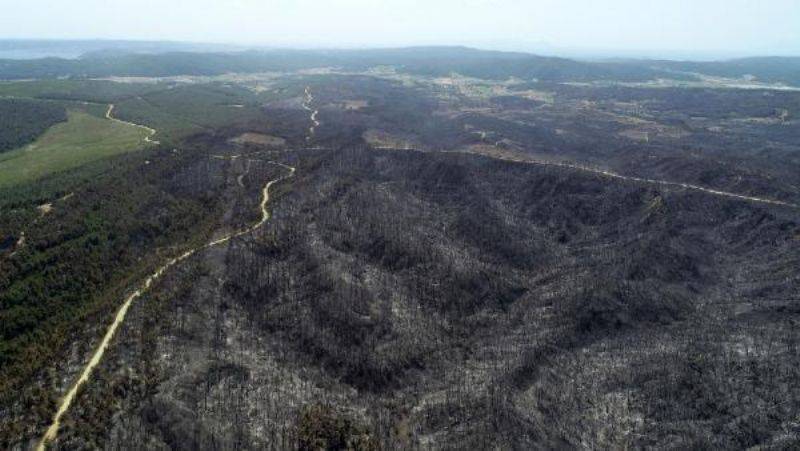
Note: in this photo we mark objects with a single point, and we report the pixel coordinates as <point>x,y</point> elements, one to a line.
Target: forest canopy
<point>22,121</point>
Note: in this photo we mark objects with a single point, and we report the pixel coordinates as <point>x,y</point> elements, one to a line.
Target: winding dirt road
<point>307,106</point>
<point>18,244</point>
<point>148,139</point>
<point>611,174</point>
<point>614,175</point>
<point>150,131</point>
<point>119,318</point>
<point>240,179</point>
<point>97,356</point>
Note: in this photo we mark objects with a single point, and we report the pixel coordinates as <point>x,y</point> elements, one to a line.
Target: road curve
<point>147,139</point>
<point>307,106</point>
<point>97,356</point>
<point>150,131</point>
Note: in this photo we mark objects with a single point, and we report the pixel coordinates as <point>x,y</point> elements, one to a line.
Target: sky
<point>655,28</point>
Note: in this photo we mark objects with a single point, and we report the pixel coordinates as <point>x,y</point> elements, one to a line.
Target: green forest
<point>23,120</point>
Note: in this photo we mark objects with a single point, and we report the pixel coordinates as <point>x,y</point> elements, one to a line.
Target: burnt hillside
<point>400,299</point>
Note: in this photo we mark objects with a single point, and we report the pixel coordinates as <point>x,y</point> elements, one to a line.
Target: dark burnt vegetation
<point>416,299</point>
<point>386,269</point>
<point>742,141</point>
<point>322,428</point>
<point>386,105</point>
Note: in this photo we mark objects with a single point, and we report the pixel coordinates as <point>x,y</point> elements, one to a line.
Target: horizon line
<point>534,49</point>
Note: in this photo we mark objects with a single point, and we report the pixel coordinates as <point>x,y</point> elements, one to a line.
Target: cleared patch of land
<point>81,139</point>
<point>354,104</point>
<point>259,139</point>
<point>382,139</point>
<point>636,135</point>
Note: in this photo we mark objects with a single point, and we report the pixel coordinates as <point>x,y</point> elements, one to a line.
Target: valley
<point>349,256</point>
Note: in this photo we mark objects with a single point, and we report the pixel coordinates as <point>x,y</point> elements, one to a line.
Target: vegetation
<point>22,121</point>
<point>78,262</point>
<point>95,91</point>
<point>321,428</point>
<point>188,109</point>
<point>466,302</point>
<point>81,139</point>
<point>433,294</point>
<point>784,70</point>
<point>429,61</point>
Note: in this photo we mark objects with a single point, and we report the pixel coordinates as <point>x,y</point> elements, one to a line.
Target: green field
<point>83,138</point>
<point>175,111</point>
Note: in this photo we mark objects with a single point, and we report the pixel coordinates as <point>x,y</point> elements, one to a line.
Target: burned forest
<point>444,254</point>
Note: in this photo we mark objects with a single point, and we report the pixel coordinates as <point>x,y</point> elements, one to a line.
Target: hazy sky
<point>686,26</point>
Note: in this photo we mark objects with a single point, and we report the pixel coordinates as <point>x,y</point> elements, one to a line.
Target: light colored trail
<point>147,139</point>
<point>307,106</point>
<point>614,175</point>
<point>18,245</point>
<point>240,179</point>
<point>150,131</point>
<point>67,400</point>
<point>44,209</point>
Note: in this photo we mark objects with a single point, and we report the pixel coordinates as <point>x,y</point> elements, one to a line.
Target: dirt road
<point>150,131</point>
<point>307,106</point>
<point>614,175</point>
<point>97,356</point>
